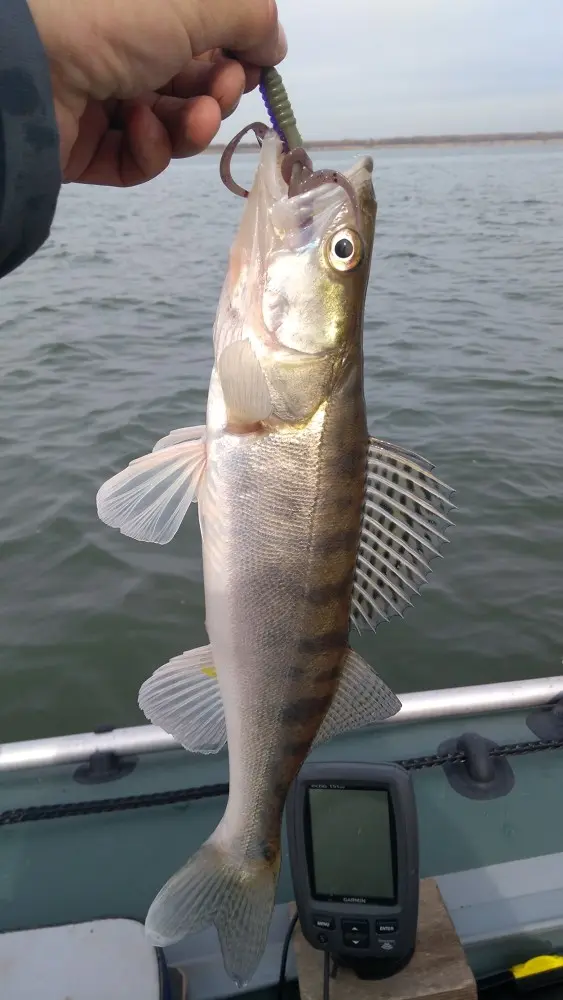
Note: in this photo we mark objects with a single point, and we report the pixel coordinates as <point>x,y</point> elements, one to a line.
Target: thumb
<point>249,28</point>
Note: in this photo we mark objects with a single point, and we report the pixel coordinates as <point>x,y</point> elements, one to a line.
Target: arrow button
<point>355,933</point>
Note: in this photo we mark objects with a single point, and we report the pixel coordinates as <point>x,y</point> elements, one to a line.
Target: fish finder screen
<point>351,844</point>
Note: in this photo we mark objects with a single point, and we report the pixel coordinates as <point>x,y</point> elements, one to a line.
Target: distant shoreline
<point>484,138</point>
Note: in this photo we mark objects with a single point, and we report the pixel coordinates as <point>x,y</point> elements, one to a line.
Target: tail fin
<point>214,887</point>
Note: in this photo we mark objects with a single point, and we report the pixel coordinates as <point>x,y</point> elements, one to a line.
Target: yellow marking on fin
<point>209,671</point>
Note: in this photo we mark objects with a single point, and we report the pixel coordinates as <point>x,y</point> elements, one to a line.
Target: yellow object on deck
<point>537,966</point>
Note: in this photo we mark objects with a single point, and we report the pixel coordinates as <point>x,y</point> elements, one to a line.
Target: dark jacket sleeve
<point>30,176</point>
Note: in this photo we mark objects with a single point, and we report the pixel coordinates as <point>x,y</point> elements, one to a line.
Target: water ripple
<point>105,345</point>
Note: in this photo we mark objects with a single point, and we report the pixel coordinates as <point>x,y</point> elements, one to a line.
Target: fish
<point>310,528</point>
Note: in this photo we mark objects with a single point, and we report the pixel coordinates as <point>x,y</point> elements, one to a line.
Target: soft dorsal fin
<point>362,699</point>
<point>403,525</point>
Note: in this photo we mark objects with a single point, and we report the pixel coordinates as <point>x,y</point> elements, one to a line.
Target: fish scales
<point>281,516</point>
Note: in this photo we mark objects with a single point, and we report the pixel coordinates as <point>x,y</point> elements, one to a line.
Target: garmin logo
<point>354,899</point>
<point>325,784</point>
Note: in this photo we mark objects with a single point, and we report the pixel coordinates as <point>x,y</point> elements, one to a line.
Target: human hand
<point>138,83</point>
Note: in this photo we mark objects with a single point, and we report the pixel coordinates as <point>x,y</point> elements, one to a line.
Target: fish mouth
<point>300,176</point>
<point>309,201</point>
<point>290,173</point>
<point>293,200</point>
<point>297,177</point>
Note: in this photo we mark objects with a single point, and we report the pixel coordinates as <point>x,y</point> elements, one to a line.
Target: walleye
<point>308,526</point>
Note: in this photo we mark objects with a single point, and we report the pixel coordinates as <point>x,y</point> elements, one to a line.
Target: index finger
<point>248,28</point>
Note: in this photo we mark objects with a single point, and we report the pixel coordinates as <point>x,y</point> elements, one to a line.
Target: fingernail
<point>233,107</point>
<point>281,47</point>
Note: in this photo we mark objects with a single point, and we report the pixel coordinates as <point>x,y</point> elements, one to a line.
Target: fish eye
<point>345,250</point>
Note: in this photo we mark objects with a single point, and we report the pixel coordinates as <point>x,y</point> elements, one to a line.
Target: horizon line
<point>412,140</point>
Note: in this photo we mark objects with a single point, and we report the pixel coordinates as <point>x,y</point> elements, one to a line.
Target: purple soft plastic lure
<point>271,115</point>
<point>297,169</point>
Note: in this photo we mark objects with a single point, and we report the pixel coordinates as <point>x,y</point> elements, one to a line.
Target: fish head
<point>297,278</point>
<point>317,266</point>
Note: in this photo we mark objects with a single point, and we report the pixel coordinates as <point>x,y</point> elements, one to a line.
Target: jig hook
<point>225,163</point>
<point>296,167</point>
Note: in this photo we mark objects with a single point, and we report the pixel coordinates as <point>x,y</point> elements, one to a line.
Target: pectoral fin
<point>183,698</point>
<point>149,499</point>
<point>245,390</point>
<point>362,699</point>
<point>179,436</point>
<point>403,526</point>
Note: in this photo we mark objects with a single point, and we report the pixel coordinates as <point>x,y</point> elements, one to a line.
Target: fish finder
<point>353,848</point>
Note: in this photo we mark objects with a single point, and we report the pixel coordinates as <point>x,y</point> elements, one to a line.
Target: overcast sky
<point>402,67</point>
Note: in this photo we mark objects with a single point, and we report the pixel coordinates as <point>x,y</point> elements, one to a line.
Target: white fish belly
<point>258,512</point>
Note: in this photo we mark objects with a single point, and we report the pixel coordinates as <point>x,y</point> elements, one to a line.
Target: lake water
<point>105,345</point>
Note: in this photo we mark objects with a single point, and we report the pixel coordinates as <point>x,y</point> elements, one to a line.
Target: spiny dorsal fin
<point>403,525</point>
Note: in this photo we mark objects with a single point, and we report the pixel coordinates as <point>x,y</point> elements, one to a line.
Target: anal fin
<point>362,699</point>
<point>183,698</point>
<point>403,528</point>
